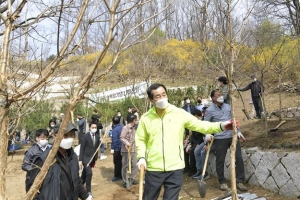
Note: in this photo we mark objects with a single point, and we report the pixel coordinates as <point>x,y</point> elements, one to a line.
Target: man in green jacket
<point>159,143</point>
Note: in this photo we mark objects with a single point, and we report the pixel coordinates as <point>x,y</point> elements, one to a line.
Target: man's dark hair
<point>116,120</point>
<point>79,114</point>
<point>131,118</point>
<point>154,87</point>
<point>223,79</point>
<point>196,112</point>
<point>185,98</point>
<point>92,122</point>
<point>39,132</point>
<point>212,94</point>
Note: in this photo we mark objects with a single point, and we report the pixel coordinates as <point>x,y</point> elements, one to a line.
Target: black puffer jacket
<point>54,186</point>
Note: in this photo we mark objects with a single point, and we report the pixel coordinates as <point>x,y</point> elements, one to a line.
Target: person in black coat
<point>62,180</point>
<point>257,89</point>
<point>41,145</point>
<point>87,157</point>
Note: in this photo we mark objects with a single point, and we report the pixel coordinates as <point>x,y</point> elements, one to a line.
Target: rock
<point>289,114</point>
<point>270,159</point>
<point>249,170</point>
<point>291,162</point>
<point>280,175</point>
<point>252,150</point>
<point>289,189</point>
<point>271,185</point>
<point>253,180</point>
<point>244,156</point>
<point>255,158</point>
<point>261,172</point>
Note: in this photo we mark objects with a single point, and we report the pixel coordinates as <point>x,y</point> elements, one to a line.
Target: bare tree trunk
<point>280,100</point>
<point>3,150</point>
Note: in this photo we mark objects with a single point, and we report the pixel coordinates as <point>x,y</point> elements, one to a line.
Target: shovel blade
<point>128,184</point>
<point>201,188</point>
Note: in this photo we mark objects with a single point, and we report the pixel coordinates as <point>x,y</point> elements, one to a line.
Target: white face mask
<point>253,80</point>
<point>188,101</point>
<point>93,130</point>
<point>43,142</point>
<point>66,143</point>
<point>52,125</point>
<point>220,99</point>
<point>162,103</point>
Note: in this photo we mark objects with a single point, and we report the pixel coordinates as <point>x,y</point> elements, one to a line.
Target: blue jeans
<point>102,148</point>
<point>200,155</point>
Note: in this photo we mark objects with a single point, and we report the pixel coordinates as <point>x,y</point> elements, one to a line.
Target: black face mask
<point>199,101</point>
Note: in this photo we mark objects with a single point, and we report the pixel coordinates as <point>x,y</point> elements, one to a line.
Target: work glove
<point>208,137</point>
<point>240,135</point>
<point>188,148</point>
<point>80,164</point>
<point>90,197</point>
<point>141,161</point>
<point>112,151</point>
<point>228,125</point>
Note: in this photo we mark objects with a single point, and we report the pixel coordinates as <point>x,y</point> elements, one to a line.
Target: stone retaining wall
<point>275,171</point>
<point>292,112</point>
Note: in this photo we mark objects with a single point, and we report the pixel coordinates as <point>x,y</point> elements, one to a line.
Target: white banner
<point>138,90</point>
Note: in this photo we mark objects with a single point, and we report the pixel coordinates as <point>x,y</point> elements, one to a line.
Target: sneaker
<point>241,187</point>
<point>224,187</point>
<point>191,173</point>
<point>197,174</point>
<point>103,157</point>
<point>89,193</point>
<point>114,179</point>
<point>206,176</point>
<point>134,182</point>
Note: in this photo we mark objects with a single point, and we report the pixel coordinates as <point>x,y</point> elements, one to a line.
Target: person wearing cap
<point>159,143</point>
<point>256,89</point>
<point>223,87</point>
<point>87,157</point>
<point>62,180</point>
<point>41,145</point>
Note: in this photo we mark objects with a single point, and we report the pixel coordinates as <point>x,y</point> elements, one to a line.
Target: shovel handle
<point>141,181</point>
<point>206,158</point>
<point>129,160</point>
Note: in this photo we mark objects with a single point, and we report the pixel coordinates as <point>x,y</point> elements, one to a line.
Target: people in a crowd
<point>62,180</point>
<point>189,107</point>
<point>159,143</point>
<point>128,145</point>
<point>41,144</point>
<point>81,126</point>
<point>122,121</point>
<point>88,156</point>
<point>116,145</point>
<point>199,105</point>
<point>195,139</point>
<point>52,125</point>
<point>220,111</point>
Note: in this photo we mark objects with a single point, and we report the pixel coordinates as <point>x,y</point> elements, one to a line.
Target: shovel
<point>201,183</point>
<point>141,182</point>
<point>277,127</point>
<point>128,179</point>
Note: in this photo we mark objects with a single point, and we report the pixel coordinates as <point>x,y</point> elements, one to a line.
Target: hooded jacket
<point>160,139</point>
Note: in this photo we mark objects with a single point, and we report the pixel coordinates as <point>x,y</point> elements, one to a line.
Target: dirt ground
<point>285,139</point>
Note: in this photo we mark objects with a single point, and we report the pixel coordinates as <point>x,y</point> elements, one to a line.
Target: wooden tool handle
<point>141,182</point>
<point>206,158</point>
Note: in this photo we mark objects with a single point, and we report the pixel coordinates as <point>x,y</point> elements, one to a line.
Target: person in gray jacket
<point>220,112</point>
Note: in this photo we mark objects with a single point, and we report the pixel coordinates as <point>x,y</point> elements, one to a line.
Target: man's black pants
<point>221,149</point>
<point>172,182</point>
<point>86,177</point>
<point>118,164</point>
<point>258,106</point>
